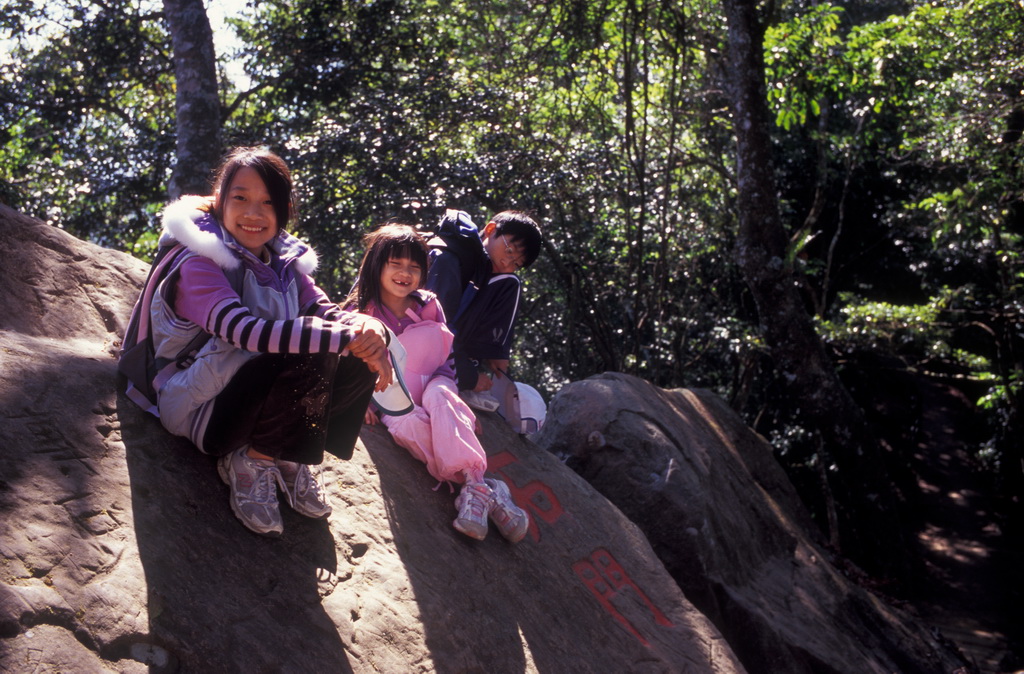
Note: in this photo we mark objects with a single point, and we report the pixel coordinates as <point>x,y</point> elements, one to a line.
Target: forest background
<point>750,198</point>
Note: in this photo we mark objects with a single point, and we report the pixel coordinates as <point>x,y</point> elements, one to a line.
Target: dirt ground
<point>973,562</point>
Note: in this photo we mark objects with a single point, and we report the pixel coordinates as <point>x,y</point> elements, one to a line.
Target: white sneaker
<point>474,504</point>
<point>511,520</point>
<point>304,491</point>
<point>253,484</point>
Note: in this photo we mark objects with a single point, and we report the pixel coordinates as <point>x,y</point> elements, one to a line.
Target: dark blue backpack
<point>457,233</point>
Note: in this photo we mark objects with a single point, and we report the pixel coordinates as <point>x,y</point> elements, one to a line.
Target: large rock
<point>118,552</point>
<point>725,520</point>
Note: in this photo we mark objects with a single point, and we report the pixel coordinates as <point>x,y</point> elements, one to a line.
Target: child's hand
<point>370,417</point>
<point>368,340</point>
<point>369,345</point>
<point>385,374</point>
<point>483,383</point>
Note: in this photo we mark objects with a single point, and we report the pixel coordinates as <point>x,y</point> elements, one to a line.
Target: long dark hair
<point>271,169</point>
<point>391,240</point>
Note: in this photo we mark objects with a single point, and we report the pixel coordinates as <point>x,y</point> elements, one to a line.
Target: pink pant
<point>440,433</point>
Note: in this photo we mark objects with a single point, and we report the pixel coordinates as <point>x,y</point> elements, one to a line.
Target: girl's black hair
<point>391,240</point>
<point>271,169</point>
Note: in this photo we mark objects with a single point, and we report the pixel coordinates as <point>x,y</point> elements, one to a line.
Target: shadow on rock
<point>220,597</point>
<point>470,613</point>
<point>582,575</point>
<point>728,525</point>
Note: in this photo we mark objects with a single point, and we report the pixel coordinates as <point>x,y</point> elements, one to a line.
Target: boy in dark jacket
<point>473,275</point>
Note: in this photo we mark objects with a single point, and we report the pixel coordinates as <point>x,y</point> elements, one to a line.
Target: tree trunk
<point>197,103</point>
<point>866,503</point>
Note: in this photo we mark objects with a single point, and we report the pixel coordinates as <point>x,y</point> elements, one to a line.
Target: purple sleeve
<point>205,297</point>
<point>315,302</point>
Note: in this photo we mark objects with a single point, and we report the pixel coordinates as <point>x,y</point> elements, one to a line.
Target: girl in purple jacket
<point>440,430</point>
<point>283,372</point>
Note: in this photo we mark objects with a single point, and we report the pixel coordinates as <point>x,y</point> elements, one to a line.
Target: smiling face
<point>248,211</point>
<point>398,279</point>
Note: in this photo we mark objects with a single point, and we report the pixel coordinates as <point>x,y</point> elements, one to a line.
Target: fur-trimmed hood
<point>186,222</point>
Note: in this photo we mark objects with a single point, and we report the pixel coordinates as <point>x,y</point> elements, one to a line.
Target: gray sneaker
<point>511,520</point>
<point>253,484</point>
<point>474,504</point>
<point>304,490</point>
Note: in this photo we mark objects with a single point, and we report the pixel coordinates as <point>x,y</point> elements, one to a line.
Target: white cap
<point>532,410</point>
<point>395,399</point>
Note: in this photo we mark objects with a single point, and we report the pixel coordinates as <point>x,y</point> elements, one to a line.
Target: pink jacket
<point>426,338</point>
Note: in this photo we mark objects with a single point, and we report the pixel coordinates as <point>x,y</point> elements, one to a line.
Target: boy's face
<point>507,255</point>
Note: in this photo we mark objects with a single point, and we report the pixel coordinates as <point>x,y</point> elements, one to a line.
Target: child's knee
<point>445,396</point>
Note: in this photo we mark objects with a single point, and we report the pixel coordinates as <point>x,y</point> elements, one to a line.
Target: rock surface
<point>724,518</point>
<point>119,553</point>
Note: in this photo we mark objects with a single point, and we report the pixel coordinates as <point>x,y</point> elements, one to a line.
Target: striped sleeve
<point>324,308</point>
<point>235,324</point>
<point>315,302</point>
<point>205,297</point>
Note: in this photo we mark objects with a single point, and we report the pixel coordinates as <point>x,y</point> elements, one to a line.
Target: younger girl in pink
<point>440,429</point>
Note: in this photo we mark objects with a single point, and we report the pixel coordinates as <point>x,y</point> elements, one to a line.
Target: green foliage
<point>898,145</point>
<point>803,66</point>
<point>889,327</point>
<point>925,338</point>
<point>912,123</point>
<point>87,101</point>
<point>555,109</point>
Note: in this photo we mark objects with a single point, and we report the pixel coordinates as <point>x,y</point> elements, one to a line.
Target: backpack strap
<point>137,361</point>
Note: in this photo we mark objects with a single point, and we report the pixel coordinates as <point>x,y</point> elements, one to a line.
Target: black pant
<point>292,406</point>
